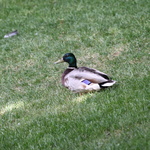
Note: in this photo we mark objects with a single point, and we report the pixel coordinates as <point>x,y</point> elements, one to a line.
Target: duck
<point>83,79</point>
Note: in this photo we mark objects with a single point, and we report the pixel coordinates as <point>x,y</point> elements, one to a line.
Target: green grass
<point>36,112</point>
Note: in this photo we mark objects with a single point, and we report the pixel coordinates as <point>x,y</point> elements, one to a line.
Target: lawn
<point>37,112</point>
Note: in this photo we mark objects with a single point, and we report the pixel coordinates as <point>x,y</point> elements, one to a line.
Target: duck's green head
<point>70,59</point>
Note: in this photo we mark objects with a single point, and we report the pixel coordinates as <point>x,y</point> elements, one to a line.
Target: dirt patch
<point>117,51</point>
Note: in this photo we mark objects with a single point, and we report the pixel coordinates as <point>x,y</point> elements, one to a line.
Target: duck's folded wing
<point>92,75</point>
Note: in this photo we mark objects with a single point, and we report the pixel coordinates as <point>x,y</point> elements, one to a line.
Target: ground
<point>36,112</point>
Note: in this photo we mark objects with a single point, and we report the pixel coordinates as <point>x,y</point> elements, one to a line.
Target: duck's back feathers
<point>93,71</point>
<point>92,75</point>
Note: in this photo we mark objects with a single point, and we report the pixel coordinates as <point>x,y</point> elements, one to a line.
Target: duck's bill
<point>59,61</point>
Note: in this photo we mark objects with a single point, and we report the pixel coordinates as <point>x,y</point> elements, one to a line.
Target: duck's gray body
<point>85,79</point>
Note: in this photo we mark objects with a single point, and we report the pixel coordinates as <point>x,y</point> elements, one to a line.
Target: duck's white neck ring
<point>71,68</point>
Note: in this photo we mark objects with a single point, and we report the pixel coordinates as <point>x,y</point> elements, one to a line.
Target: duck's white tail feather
<point>107,84</point>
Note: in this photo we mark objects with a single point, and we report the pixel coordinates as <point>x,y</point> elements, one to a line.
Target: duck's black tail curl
<point>107,84</point>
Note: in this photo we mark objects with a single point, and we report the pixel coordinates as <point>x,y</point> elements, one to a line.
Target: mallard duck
<point>83,79</point>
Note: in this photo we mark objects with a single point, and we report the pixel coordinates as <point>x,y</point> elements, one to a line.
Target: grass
<point>36,112</point>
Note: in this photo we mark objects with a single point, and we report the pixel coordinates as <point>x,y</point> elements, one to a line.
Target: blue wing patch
<point>86,82</point>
